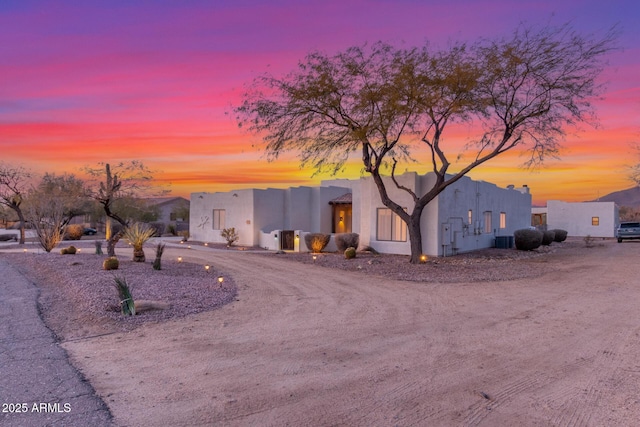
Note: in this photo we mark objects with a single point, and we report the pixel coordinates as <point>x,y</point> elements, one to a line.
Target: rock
<point>147,305</point>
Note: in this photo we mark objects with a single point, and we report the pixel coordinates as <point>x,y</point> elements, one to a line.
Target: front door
<point>287,240</point>
<point>342,218</point>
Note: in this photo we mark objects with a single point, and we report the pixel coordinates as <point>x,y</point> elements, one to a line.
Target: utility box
<point>446,234</point>
<point>504,242</point>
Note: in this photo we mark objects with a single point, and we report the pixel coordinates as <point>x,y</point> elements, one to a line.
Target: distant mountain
<point>629,197</point>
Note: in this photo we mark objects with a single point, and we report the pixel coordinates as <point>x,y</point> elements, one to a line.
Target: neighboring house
<point>468,215</point>
<point>167,208</point>
<point>579,219</point>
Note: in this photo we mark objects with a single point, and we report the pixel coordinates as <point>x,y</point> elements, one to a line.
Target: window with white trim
<point>390,226</point>
<point>219,219</point>
<point>488,226</point>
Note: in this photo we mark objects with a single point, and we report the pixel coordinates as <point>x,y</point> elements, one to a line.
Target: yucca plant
<point>137,234</point>
<point>127,306</point>
<point>157,263</point>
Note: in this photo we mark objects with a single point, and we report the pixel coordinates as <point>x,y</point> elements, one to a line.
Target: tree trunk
<point>23,225</point>
<point>138,254</point>
<point>415,238</point>
<point>112,242</point>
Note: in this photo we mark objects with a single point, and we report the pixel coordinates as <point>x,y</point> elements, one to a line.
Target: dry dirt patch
<point>307,345</point>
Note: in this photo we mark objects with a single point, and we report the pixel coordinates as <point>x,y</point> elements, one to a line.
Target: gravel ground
<point>78,298</point>
<point>75,290</point>
<point>482,265</point>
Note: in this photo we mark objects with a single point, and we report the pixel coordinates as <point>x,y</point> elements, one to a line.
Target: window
<point>595,220</point>
<point>173,216</point>
<point>503,220</point>
<point>487,222</point>
<point>470,217</point>
<point>390,226</point>
<point>218,219</point>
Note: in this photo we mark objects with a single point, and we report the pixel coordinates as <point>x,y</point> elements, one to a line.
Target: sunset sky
<point>156,80</point>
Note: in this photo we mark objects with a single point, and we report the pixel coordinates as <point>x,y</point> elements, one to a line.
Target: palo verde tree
<point>385,103</point>
<point>124,181</point>
<point>14,184</point>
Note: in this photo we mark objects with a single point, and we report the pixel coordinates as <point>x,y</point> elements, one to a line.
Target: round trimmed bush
<point>350,253</point>
<point>561,235</point>
<point>316,241</point>
<point>347,240</point>
<point>548,237</point>
<point>71,250</point>
<point>74,232</point>
<point>111,263</point>
<point>527,239</point>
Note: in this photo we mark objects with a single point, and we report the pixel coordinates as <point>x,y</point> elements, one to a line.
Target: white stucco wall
<point>257,214</point>
<point>239,213</point>
<point>479,197</point>
<point>576,218</point>
<point>451,207</point>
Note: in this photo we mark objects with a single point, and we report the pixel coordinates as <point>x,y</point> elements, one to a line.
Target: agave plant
<point>137,234</point>
<point>127,305</point>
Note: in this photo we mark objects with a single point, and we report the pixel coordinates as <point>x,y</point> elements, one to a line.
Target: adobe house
<point>579,219</point>
<point>468,215</point>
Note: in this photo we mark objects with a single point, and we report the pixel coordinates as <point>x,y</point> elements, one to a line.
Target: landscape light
<point>314,258</point>
<point>179,259</point>
<point>207,267</point>
<point>220,280</point>
<point>423,258</point>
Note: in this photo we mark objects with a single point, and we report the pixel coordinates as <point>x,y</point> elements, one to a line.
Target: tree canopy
<point>385,103</point>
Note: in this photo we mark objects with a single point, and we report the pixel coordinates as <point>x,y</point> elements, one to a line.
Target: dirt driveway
<point>305,345</point>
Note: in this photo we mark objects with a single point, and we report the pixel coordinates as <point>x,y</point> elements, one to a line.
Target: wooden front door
<point>287,243</point>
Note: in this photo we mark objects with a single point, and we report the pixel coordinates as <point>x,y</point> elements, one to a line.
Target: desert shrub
<point>316,241</point>
<point>347,240</point>
<point>71,250</point>
<point>588,241</point>
<point>561,235</point>
<point>157,263</point>
<point>350,253</point>
<point>73,232</point>
<point>158,228</point>
<point>547,237</point>
<point>230,235</point>
<point>527,240</point>
<point>110,263</point>
<point>171,229</point>
<point>127,305</point>
<point>184,234</point>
